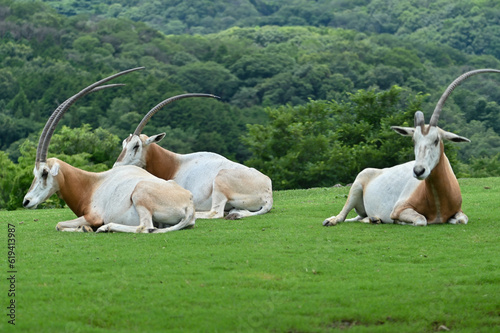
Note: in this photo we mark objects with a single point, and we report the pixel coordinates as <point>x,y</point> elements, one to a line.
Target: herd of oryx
<point>153,190</point>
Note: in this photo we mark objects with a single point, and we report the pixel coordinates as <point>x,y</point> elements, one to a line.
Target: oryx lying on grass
<point>419,192</point>
<point>217,184</point>
<point>125,199</point>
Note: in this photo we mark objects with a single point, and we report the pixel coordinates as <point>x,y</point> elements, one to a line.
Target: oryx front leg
<point>459,218</point>
<point>79,224</point>
<point>410,216</point>
<point>354,201</point>
<point>115,227</point>
<point>145,223</point>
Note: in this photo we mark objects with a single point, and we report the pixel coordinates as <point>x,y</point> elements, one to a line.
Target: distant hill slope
<point>472,26</point>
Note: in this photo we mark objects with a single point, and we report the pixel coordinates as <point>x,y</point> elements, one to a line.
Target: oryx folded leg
<point>242,192</point>
<point>79,224</point>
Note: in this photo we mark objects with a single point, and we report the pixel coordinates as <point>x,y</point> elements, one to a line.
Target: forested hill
<point>49,53</point>
<point>468,25</point>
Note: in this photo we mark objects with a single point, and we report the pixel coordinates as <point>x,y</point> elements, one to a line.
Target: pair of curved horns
<point>151,112</point>
<point>451,87</point>
<point>50,126</point>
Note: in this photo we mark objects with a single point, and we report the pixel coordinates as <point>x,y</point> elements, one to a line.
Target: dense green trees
<point>471,26</point>
<point>306,64</point>
<point>322,143</point>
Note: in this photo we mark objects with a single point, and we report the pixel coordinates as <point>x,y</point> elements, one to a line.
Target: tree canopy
<point>469,25</point>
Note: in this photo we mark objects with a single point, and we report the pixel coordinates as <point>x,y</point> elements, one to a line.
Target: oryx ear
<point>54,170</point>
<point>453,137</point>
<point>405,131</point>
<point>155,138</point>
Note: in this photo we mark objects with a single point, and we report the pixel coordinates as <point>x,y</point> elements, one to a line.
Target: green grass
<point>281,272</point>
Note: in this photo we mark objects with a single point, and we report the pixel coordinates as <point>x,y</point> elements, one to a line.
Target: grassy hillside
<point>280,272</point>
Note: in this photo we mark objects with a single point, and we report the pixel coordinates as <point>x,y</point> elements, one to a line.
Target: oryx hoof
<point>459,218</point>
<point>329,222</point>
<point>104,228</point>
<point>420,223</point>
<point>375,220</point>
<point>85,228</point>
<point>151,230</point>
<point>233,216</point>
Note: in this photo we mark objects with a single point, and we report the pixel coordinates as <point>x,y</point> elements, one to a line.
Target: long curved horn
<point>48,131</point>
<point>151,112</point>
<point>451,87</point>
<point>52,116</point>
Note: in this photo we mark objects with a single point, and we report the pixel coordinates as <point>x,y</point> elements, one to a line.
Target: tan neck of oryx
<point>76,187</point>
<point>161,162</point>
<point>443,190</point>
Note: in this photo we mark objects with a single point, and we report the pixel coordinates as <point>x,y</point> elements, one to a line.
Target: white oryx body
<point>421,192</point>
<point>125,199</point>
<point>217,184</point>
<point>395,195</point>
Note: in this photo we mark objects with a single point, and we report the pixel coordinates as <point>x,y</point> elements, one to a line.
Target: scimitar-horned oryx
<point>217,184</point>
<point>124,199</point>
<point>420,192</point>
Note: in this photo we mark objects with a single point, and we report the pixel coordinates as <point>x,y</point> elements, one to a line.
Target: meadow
<point>280,272</point>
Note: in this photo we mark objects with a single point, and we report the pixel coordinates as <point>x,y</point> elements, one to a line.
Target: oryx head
<point>134,149</point>
<point>136,145</point>
<point>45,173</point>
<point>428,142</point>
<point>428,139</point>
<point>44,183</point>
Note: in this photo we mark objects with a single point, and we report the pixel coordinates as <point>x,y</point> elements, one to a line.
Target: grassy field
<point>281,272</point>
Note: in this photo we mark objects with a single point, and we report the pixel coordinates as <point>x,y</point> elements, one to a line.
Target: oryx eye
<point>136,147</point>
<point>45,173</point>
<point>436,142</point>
